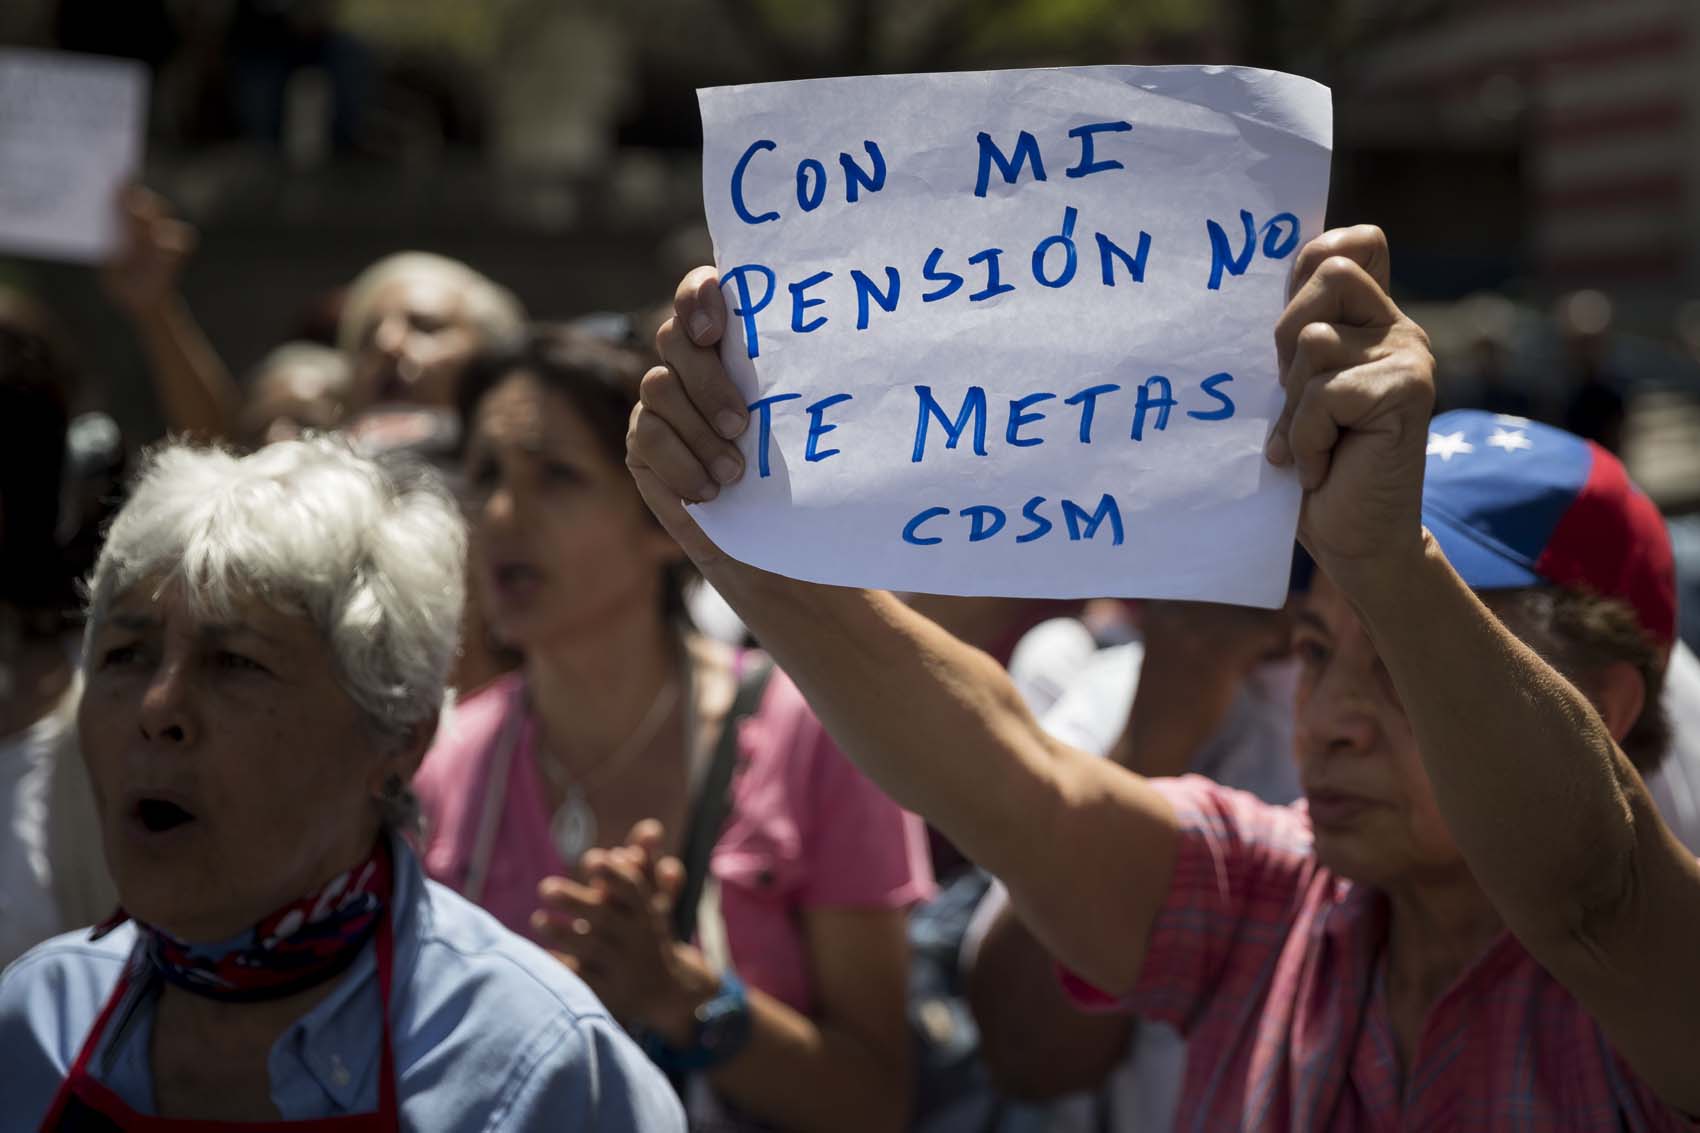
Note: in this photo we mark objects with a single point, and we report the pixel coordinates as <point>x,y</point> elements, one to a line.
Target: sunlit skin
<point>244,728</point>
<point>417,338</point>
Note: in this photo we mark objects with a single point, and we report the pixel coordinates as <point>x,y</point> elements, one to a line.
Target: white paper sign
<point>1011,332</point>
<point>71,130</point>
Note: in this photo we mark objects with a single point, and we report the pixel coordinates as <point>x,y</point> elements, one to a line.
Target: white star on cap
<point>1510,440</point>
<point>1448,445</point>
<point>1510,419</point>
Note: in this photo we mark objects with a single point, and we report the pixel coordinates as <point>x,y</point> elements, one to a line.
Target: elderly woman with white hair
<point>408,324</point>
<point>412,321</point>
<point>268,641</point>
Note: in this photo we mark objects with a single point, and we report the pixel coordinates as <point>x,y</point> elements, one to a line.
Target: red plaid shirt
<point>1269,964</point>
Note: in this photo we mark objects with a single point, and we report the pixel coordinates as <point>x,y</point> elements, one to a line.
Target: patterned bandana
<point>305,943</point>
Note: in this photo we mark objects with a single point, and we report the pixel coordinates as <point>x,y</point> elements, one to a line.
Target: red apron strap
<point>79,1068</point>
<point>80,1086</point>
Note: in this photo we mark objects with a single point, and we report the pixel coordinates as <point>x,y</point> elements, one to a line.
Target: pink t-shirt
<point>805,830</point>
<point>1272,967</point>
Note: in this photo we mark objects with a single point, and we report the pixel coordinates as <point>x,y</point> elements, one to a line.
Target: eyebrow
<point>1308,618</point>
<point>146,623</point>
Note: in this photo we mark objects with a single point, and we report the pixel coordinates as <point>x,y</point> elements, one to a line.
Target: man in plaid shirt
<point>1476,919</point>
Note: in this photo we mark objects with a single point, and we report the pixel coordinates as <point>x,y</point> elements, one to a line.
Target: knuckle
<point>1338,270</point>
<point>1316,336</point>
<point>1417,335</point>
<point>670,338</point>
<point>655,386</point>
<point>647,430</point>
<point>1371,236</point>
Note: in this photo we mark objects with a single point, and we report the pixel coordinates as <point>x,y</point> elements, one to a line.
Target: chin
<point>160,904</point>
<point>173,897</point>
<point>1351,856</point>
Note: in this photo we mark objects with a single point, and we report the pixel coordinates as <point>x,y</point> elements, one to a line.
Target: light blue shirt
<point>490,1032</point>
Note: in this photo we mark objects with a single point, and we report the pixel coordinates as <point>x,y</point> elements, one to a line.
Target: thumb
<point>177,239</point>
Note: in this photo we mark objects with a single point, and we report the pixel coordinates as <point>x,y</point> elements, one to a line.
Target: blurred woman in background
<point>576,797</point>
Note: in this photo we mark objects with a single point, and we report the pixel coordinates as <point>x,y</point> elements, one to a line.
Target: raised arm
<point>195,391</point>
<point>1552,819</point>
<point>934,722</point>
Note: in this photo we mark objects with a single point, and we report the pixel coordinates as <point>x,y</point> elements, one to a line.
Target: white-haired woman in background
<point>268,640</point>
<point>409,322</point>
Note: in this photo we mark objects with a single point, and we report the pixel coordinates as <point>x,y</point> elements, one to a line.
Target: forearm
<point>1545,809</point>
<point>939,727</point>
<point>934,722</point>
<point>1036,1044</point>
<point>195,391</point>
<point>799,1073</point>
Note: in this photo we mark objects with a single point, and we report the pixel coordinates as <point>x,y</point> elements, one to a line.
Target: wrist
<point>718,1030</point>
<point>1387,586</point>
<point>673,1016</point>
<point>1373,578</point>
<point>156,317</point>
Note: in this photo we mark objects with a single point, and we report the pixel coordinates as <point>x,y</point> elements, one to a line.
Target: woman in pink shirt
<point>790,995</point>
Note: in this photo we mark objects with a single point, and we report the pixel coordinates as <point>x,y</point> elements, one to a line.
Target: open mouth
<point>158,816</point>
<point>516,574</point>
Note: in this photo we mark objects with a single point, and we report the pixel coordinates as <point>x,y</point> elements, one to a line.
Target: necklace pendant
<point>573,827</point>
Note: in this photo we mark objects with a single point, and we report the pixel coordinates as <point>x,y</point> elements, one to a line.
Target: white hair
<point>372,553</point>
<point>326,370</point>
<point>492,308</point>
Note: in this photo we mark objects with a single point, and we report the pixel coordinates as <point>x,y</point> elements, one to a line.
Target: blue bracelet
<point>722,1031</point>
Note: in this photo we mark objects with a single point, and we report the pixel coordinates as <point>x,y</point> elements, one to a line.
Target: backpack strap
<point>714,800</point>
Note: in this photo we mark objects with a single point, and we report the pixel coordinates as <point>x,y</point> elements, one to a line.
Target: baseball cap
<point>1515,503</point>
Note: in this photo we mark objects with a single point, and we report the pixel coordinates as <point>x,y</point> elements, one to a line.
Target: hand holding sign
<point>1359,384</point>
<point>153,245</point>
<point>1007,333</point>
<point>1358,376</point>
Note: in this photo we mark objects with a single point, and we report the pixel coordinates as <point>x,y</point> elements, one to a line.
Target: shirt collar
<point>335,1043</point>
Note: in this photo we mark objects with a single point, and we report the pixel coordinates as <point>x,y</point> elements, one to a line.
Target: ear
<point>1619,694</point>
<point>401,761</point>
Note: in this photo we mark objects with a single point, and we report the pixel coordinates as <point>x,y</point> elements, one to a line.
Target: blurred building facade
<point>1543,144</point>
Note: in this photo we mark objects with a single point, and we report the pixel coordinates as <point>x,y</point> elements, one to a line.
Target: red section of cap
<point>1612,541</point>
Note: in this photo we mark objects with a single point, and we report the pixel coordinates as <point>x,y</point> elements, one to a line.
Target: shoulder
<point>66,968</point>
<point>467,961</point>
<point>484,1002</point>
<point>1225,821</point>
<point>49,999</point>
<point>469,725</point>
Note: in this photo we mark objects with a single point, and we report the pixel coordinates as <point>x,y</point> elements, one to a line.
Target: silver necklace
<point>573,825</point>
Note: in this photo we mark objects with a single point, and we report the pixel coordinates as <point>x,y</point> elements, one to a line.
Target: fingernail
<point>701,326</point>
<point>729,424</point>
<point>726,470</point>
<point>1277,451</point>
<point>707,492</point>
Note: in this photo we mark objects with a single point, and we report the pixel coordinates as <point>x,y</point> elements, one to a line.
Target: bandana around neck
<point>305,943</point>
